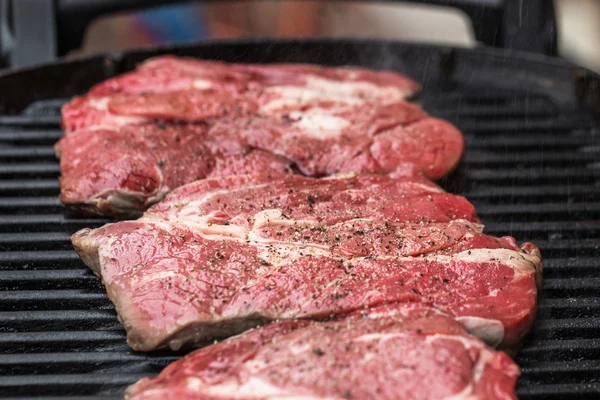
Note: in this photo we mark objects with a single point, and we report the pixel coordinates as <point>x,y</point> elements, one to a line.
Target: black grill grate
<point>532,170</point>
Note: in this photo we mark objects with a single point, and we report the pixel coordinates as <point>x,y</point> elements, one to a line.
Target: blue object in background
<point>173,24</point>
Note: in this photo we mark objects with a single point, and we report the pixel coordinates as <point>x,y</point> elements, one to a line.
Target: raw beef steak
<point>321,120</point>
<point>377,139</point>
<point>123,171</point>
<point>293,83</point>
<point>221,255</point>
<point>165,73</point>
<point>194,90</point>
<point>390,352</point>
<point>123,109</point>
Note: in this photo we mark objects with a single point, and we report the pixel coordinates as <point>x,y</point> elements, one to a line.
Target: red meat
<point>221,255</point>
<point>321,121</point>
<point>394,352</point>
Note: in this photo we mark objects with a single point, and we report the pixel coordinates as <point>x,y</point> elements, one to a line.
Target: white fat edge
<point>230,231</point>
<point>163,189</point>
<point>490,331</point>
<point>201,227</point>
<point>351,175</point>
<point>466,341</point>
<point>98,127</point>
<point>367,357</point>
<point>99,103</point>
<point>274,217</point>
<point>470,226</point>
<point>112,122</point>
<point>124,199</point>
<point>362,89</point>
<point>521,263</point>
<point>191,208</point>
<point>371,337</point>
<point>212,231</point>
<point>478,227</point>
<point>118,122</point>
<point>429,188</point>
<point>203,224</point>
<point>121,120</point>
<point>404,311</point>
<point>119,199</point>
<point>350,92</point>
<point>340,176</point>
<point>138,280</point>
<point>262,219</point>
<point>252,388</point>
<point>294,96</point>
<point>279,253</point>
<point>349,222</point>
<point>319,123</point>
<point>202,84</point>
<point>322,89</point>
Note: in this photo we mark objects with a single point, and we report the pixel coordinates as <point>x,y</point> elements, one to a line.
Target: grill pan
<point>531,168</point>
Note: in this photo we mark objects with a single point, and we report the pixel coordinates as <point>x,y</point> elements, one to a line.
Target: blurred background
<point>578,24</point>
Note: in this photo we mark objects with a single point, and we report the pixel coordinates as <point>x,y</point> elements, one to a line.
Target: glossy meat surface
<point>388,352</point>
<point>123,171</point>
<point>320,121</point>
<point>221,255</point>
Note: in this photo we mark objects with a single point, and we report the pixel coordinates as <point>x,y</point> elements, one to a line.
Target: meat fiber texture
<point>394,352</point>
<point>222,255</point>
<point>134,138</point>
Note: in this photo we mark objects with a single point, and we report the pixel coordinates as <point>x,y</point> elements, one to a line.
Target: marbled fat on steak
<point>123,172</point>
<point>190,89</point>
<point>321,121</point>
<point>373,138</point>
<point>395,352</point>
<point>221,255</point>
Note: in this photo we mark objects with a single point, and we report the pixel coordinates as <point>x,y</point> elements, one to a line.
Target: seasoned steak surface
<point>133,138</point>
<point>388,352</point>
<point>223,254</point>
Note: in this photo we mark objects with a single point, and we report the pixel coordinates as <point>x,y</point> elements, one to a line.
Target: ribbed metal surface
<point>532,171</point>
